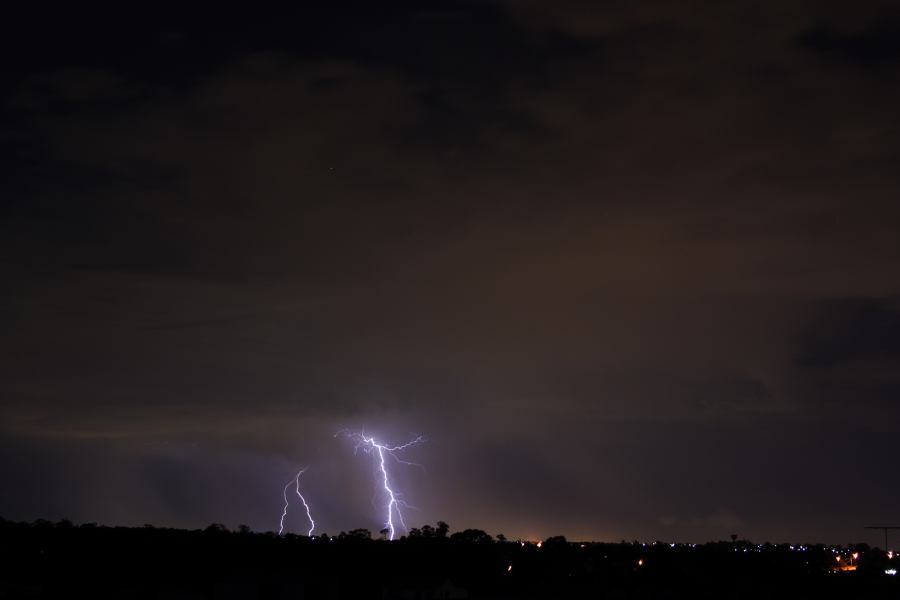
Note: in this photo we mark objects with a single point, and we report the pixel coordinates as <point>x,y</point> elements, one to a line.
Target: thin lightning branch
<point>369,445</point>
<point>284,513</point>
<point>296,482</point>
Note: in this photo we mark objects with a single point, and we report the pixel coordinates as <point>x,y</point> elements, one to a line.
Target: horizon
<point>798,545</point>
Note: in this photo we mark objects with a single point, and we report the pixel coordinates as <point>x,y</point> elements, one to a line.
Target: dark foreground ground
<point>45,560</point>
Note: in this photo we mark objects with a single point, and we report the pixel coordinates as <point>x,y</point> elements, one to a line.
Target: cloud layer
<point>632,269</point>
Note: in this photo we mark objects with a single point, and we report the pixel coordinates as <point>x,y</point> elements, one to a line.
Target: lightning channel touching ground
<point>296,482</point>
<point>395,502</point>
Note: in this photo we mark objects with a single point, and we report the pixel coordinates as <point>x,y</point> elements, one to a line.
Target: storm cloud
<point>632,269</point>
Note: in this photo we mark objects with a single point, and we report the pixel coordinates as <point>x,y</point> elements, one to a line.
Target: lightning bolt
<point>369,445</point>
<point>296,482</point>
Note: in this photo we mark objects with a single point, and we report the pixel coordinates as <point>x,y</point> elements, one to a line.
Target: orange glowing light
<point>509,568</point>
<point>641,562</point>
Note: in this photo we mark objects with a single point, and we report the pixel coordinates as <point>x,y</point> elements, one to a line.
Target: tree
<point>471,536</point>
<point>442,529</point>
<point>556,541</point>
<point>356,534</point>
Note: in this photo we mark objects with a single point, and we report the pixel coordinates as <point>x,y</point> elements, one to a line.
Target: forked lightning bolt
<point>395,500</point>
<point>296,482</point>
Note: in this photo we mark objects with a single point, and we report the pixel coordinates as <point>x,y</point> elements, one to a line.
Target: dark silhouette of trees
<point>429,532</point>
<point>442,529</point>
<point>355,534</point>
<point>557,541</point>
<point>47,560</point>
<point>472,536</point>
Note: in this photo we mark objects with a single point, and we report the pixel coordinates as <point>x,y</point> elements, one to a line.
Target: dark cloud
<point>585,249</point>
<point>852,331</point>
<point>877,44</point>
<point>847,360</point>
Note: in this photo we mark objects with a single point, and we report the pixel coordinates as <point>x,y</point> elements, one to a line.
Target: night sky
<point>633,268</point>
